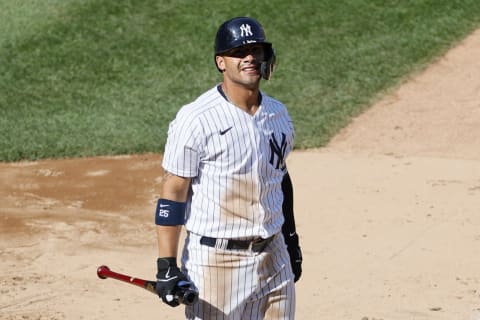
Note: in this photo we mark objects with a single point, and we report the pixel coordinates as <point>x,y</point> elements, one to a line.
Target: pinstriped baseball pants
<point>240,284</point>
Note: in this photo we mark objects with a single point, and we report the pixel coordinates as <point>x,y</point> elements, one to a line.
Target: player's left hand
<point>295,253</point>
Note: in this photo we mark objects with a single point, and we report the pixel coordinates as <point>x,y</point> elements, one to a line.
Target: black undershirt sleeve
<point>287,206</point>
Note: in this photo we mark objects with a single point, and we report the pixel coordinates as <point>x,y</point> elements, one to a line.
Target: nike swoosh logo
<point>164,205</point>
<point>167,279</point>
<point>292,234</point>
<point>167,276</point>
<point>225,131</point>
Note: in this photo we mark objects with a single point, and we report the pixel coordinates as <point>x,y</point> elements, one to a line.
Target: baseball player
<point>226,181</point>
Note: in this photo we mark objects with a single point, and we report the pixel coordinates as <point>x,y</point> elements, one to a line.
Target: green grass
<point>96,77</point>
<point>20,18</point>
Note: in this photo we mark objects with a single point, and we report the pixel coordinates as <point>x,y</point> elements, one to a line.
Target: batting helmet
<point>243,31</point>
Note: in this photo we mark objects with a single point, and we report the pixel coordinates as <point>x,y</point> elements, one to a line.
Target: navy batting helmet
<point>243,31</point>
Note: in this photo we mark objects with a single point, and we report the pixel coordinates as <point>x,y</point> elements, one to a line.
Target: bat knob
<point>101,272</point>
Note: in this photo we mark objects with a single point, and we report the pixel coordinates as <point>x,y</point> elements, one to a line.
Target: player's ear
<point>220,63</point>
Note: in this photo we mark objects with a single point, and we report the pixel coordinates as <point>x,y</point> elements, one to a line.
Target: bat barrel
<point>184,293</point>
<point>102,272</point>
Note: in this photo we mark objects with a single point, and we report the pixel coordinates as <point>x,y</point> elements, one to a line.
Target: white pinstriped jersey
<point>236,162</point>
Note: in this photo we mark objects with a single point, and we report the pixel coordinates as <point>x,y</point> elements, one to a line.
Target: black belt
<point>257,245</point>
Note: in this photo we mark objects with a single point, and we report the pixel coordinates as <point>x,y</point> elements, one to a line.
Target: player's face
<point>242,65</point>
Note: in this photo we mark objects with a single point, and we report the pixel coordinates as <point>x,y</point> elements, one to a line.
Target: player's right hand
<point>168,277</point>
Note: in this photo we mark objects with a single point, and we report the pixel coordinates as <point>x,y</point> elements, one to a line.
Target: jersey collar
<point>220,90</point>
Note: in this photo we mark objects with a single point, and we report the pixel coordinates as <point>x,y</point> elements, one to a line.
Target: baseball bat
<point>183,293</point>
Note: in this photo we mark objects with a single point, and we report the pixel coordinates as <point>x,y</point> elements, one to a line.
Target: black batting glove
<point>293,248</point>
<point>168,277</point>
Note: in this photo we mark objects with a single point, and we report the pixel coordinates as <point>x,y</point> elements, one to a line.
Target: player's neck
<point>243,98</point>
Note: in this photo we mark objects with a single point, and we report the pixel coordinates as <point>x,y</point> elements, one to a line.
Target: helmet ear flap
<point>267,66</point>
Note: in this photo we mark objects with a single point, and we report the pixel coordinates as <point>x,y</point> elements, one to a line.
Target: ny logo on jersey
<point>245,30</point>
<point>278,151</point>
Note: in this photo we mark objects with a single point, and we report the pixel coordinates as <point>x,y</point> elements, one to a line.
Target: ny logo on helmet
<point>245,30</point>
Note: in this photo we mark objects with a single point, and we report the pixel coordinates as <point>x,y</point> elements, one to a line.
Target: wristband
<point>170,213</point>
<point>165,263</point>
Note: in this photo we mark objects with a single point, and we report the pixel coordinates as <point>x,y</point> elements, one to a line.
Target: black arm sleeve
<point>287,206</point>
<point>288,229</point>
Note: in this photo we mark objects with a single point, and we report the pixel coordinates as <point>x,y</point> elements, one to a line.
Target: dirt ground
<point>388,214</point>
